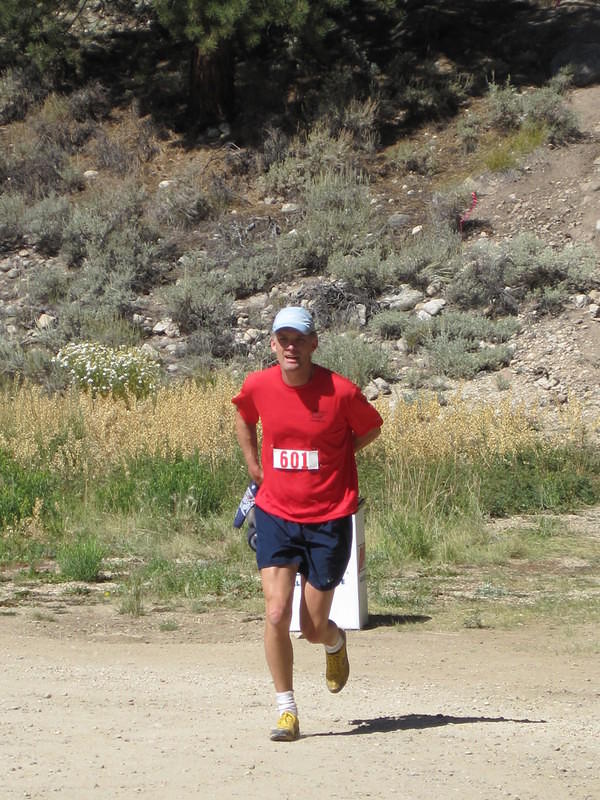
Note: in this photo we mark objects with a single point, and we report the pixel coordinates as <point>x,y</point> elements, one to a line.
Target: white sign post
<point>349,608</point>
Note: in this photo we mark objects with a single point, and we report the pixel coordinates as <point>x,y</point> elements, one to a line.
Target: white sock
<point>333,648</point>
<point>286,702</point>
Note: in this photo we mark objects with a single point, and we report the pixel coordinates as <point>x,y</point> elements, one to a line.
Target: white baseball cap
<point>294,317</point>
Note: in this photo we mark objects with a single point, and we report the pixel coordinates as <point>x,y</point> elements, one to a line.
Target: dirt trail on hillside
<point>95,705</point>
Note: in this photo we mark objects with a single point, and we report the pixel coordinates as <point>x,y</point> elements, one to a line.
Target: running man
<point>313,422</point>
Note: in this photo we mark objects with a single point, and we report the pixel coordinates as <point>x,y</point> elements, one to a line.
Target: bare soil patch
<point>94,705</point>
<point>178,703</point>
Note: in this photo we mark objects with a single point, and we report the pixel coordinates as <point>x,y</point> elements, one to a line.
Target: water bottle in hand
<point>246,503</point>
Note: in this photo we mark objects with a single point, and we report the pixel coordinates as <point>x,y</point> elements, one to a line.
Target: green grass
<point>170,517</point>
<point>174,485</point>
<point>81,559</point>
<point>21,489</point>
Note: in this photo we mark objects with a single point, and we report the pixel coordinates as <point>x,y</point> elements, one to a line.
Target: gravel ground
<point>95,704</point>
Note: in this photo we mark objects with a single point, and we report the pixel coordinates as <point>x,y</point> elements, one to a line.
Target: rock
<point>416,230</point>
<point>289,208</point>
<point>166,327</point>
<point>149,350</point>
<point>433,307</point>
<point>45,321</point>
<point>404,301</point>
<point>371,391</point>
<point>90,175</point>
<point>10,310</point>
<point>398,221</point>
<point>594,310</point>
<point>165,184</point>
<point>434,288</point>
<point>177,350</point>
<point>252,335</point>
<point>382,386</point>
<point>547,383</point>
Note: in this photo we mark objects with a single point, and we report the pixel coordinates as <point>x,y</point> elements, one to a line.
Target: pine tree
<point>221,30</point>
<point>37,35</point>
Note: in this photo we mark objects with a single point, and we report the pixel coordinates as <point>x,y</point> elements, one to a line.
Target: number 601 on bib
<point>295,459</point>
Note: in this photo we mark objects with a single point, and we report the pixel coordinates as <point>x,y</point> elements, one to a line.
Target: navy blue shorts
<point>321,550</point>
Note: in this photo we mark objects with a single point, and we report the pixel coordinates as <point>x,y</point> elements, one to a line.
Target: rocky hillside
<point>552,193</point>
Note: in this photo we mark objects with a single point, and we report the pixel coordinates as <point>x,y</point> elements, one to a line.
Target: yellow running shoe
<point>338,668</point>
<point>288,728</point>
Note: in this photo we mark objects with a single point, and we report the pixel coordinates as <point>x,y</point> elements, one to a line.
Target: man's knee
<point>279,614</point>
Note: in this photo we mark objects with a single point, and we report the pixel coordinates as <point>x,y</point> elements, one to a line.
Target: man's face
<point>294,352</point>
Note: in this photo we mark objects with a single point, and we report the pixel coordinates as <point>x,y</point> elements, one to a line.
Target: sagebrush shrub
<point>260,270</point>
<point>337,213</point>
<point>309,155</point>
<point>181,205</point>
<point>36,169</point>
<point>125,148</point>
<point>505,106</point>
<point>469,130</point>
<point>57,127</point>
<point>91,101</point>
<point>393,324</point>
<point>12,216</point>
<point>447,207</point>
<point>434,253</point>
<point>408,157</point>
<point>460,325</point>
<point>461,358</point>
<point>359,117</point>
<point>532,264</point>
<point>353,356</point>
<point>362,272</point>
<point>201,308</point>
<point>481,281</point>
<point>509,109</point>
<point>46,221</point>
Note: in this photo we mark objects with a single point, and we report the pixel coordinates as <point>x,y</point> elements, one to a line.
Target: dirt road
<point>97,705</point>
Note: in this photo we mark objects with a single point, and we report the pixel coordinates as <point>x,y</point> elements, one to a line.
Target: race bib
<point>295,459</point>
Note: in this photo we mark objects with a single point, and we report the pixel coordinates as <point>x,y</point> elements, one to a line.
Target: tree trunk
<point>212,97</point>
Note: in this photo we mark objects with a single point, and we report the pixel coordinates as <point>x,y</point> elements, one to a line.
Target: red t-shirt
<point>307,451</point>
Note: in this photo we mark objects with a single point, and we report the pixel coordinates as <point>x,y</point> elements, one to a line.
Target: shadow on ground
<point>411,722</point>
<point>389,620</point>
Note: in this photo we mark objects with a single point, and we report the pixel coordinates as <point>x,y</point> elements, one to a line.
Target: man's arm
<point>248,441</point>
<point>362,441</point>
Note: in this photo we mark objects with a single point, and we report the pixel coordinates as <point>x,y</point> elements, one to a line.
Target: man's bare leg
<point>278,590</point>
<point>314,616</point>
<point>317,627</point>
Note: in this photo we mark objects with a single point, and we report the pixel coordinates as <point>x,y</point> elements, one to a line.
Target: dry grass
<point>76,432</point>
<point>427,430</point>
